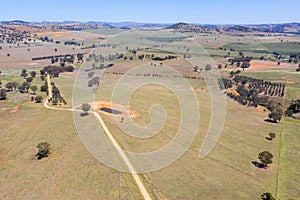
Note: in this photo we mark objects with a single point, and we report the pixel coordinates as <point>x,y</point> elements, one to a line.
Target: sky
<point>163,11</point>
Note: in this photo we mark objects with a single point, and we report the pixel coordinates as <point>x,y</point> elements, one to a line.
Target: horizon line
<point>146,22</point>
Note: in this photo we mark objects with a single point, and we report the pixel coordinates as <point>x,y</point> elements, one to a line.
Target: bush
<point>43,150</point>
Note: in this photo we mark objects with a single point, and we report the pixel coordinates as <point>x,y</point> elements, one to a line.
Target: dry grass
<point>68,173</point>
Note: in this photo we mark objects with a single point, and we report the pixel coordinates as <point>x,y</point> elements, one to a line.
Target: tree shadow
<point>258,164</point>
<point>84,114</point>
<point>270,121</point>
<point>111,111</point>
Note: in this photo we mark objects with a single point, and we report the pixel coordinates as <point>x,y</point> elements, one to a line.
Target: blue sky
<point>194,11</point>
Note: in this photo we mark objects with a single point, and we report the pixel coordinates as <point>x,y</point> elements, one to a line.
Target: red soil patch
<point>269,65</point>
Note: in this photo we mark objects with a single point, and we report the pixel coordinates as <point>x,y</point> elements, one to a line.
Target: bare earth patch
<point>269,65</point>
<point>110,108</point>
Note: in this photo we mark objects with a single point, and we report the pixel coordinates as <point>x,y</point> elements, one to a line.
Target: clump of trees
<point>43,150</point>
<point>62,59</point>
<point>24,87</point>
<point>101,58</point>
<point>56,96</point>
<point>293,108</point>
<point>251,92</point>
<point>241,61</point>
<point>99,67</point>
<point>72,43</point>
<point>232,73</point>
<point>54,71</point>
<point>276,115</point>
<point>12,85</point>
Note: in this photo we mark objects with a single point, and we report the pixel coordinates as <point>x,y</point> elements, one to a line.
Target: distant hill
<point>185,27</point>
<point>271,28</point>
<point>130,24</point>
<point>15,22</point>
<point>181,26</point>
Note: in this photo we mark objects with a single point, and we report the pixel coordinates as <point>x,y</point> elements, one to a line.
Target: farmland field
<point>71,172</point>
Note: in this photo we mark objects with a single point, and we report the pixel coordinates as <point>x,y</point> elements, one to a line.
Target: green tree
<point>43,150</point>
<point>33,74</point>
<point>29,79</point>
<point>11,85</point>
<point>86,107</point>
<point>38,99</point>
<point>272,136</point>
<point>44,88</point>
<point>2,94</point>
<point>24,87</point>
<point>54,101</point>
<point>33,88</point>
<point>24,73</point>
<point>265,157</point>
